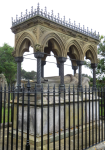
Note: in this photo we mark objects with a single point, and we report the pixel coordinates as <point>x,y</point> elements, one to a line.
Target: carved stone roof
<point>62,22</point>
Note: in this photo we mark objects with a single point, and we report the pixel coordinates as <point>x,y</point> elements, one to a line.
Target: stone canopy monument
<point>46,33</point>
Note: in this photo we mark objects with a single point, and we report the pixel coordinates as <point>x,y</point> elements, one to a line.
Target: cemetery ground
<point>38,144</point>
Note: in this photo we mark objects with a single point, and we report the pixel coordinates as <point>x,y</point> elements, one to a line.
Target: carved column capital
<point>74,67</point>
<point>93,65</point>
<point>38,48</point>
<point>61,59</point>
<point>39,55</point>
<point>19,59</point>
<point>79,62</point>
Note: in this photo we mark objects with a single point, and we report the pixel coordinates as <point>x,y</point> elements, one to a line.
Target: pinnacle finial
<point>61,20</point>
<point>58,16</point>
<point>69,21</point>
<point>38,6</point>
<point>52,13</point>
<point>55,17</point>
<point>26,12</point>
<point>32,9</point>
<point>21,14</point>
<point>16,17</point>
<point>29,14</point>
<point>98,34</point>
<point>46,10</point>
<point>64,19</point>
<point>12,19</point>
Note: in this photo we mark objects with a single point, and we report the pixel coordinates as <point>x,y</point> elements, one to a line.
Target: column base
<point>38,87</point>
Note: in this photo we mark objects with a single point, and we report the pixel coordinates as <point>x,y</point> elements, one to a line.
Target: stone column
<point>93,65</point>
<point>61,69</point>
<point>74,68</point>
<point>42,68</point>
<point>80,63</point>
<point>19,60</point>
<point>58,65</point>
<point>39,56</point>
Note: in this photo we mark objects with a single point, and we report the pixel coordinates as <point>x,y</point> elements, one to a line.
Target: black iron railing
<point>57,118</point>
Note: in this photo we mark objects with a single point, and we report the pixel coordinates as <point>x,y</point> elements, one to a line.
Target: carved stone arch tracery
<point>90,53</point>
<point>76,49</point>
<point>57,43</point>
<point>24,41</point>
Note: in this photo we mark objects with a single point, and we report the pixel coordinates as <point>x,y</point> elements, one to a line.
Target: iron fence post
<point>28,116</point>
<point>0,109</point>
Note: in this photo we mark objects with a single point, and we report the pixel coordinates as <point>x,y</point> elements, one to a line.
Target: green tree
<point>28,75</point>
<point>100,70</point>
<point>8,65</point>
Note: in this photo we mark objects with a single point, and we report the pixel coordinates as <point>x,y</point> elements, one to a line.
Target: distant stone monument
<point>69,79</point>
<point>3,83</point>
<point>3,80</point>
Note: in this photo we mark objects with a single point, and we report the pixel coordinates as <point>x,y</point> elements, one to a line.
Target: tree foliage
<point>28,75</point>
<point>8,65</point>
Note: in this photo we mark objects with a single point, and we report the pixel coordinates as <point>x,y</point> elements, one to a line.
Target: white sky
<point>86,12</point>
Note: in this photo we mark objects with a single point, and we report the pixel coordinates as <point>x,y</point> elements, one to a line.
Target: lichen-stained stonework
<point>51,36</point>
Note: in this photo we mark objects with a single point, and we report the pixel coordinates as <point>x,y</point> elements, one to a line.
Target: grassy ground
<point>6,114</point>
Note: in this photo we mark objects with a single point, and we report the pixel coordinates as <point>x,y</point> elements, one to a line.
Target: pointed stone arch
<point>77,50</point>
<point>24,41</point>
<point>57,42</point>
<point>90,53</point>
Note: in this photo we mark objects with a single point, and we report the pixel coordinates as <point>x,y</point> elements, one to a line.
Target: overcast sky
<point>86,12</point>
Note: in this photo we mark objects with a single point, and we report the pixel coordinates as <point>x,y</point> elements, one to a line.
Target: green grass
<point>101,108</point>
<point>6,114</point>
<point>102,111</point>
